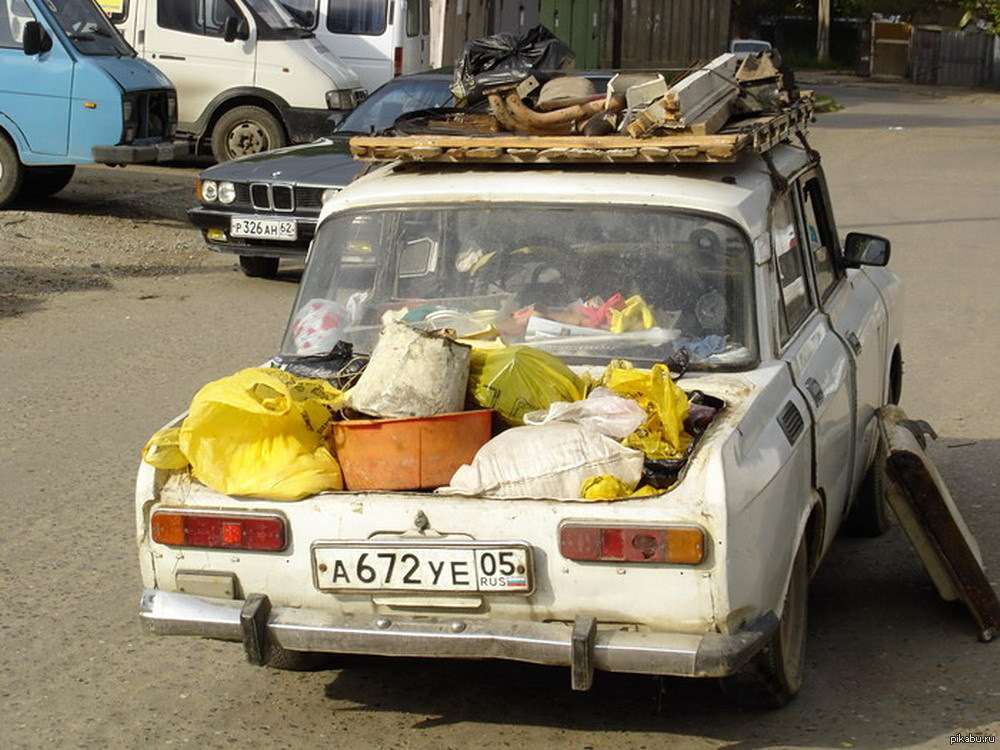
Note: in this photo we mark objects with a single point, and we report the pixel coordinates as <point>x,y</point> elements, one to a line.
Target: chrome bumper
<point>583,646</point>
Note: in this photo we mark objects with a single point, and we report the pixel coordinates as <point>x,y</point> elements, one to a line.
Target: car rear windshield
<point>587,284</point>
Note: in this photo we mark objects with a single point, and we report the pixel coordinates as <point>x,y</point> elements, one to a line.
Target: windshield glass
<point>88,28</point>
<point>303,12</point>
<point>380,110</point>
<point>274,21</point>
<point>585,284</point>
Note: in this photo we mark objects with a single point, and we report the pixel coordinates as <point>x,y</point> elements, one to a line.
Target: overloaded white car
<point>785,338</point>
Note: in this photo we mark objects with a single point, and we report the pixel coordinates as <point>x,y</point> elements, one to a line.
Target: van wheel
<point>42,181</point>
<point>869,516</point>
<point>246,130</point>
<point>773,677</point>
<point>258,268</point>
<point>11,173</point>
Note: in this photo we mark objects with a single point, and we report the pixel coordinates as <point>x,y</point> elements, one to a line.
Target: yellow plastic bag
<point>263,432</point>
<point>666,405</point>
<point>163,450</point>
<point>608,487</point>
<point>636,315</point>
<point>518,379</point>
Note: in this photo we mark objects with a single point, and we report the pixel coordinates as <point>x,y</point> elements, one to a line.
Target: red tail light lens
<point>258,532</point>
<point>657,544</point>
<point>397,62</point>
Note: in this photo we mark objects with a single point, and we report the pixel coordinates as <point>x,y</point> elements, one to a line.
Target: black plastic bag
<point>504,59</point>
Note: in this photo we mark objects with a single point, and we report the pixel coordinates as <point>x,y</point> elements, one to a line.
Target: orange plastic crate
<point>409,453</point>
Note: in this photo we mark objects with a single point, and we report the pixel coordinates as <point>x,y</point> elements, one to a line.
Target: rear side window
<point>205,17</point>
<point>794,301</point>
<point>357,16</point>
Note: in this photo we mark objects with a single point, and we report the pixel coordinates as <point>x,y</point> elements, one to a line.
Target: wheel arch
<point>238,97</point>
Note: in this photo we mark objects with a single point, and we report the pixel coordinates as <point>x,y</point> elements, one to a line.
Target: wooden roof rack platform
<point>752,135</point>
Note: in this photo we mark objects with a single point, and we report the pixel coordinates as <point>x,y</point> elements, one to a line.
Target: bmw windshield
<point>587,284</point>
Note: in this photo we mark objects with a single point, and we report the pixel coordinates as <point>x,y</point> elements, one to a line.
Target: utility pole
<point>822,29</point>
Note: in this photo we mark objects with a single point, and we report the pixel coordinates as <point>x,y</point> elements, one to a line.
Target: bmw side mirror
<point>865,250</point>
<point>35,39</point>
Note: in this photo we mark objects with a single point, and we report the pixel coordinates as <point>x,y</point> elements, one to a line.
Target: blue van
<point>72,91</point>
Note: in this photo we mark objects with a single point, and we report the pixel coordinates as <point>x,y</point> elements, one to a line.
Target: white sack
<point>603,411</point>
<point>545,461</point>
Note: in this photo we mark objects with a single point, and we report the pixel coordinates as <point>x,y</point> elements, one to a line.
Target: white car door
<point>856,312</point>
<point>820,364</point>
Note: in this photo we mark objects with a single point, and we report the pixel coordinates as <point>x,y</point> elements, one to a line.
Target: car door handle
<point>854,341</point>
<point>170,57</point>
<point>815,390</point>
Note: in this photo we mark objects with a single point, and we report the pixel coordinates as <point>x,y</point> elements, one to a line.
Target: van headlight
<point>128,109</point>
<point>340,99</point>
<point>329,193</point>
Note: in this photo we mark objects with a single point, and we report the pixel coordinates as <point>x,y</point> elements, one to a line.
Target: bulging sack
<point>545,461</point>
<point>262,432</point>
<point>411,374</point>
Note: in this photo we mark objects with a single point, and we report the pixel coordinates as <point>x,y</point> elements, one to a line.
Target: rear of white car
<point>692,580</point>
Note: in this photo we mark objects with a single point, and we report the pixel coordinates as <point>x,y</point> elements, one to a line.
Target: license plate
<point>266,229</point>
<point>430,567</point>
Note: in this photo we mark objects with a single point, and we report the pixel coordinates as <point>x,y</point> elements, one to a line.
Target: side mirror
<point>35,39</point>
<point>235,28</point>
<point>865,250</point>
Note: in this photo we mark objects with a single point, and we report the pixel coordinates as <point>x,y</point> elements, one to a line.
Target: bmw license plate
<point>264,229</point>
<point>426,567</point>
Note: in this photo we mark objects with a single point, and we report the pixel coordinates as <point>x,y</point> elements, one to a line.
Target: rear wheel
<point>869,516</point>
<point>297,661</point>
<point>256,267</point>
<point>246,130</point>
<point>773,677</point>
<point>42,181</point>
<point>11,173</point>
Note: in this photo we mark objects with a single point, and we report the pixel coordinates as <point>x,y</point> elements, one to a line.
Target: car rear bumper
<point>579,645</point>
<point>215,224</point>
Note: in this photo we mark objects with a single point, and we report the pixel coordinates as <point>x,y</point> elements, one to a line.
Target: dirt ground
<point>112,313</point>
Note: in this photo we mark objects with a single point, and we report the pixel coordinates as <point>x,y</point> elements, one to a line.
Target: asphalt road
<point>112,314</point>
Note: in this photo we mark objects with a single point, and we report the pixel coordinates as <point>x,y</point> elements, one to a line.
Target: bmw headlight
<point>227,192</point>
<point>208,191</point>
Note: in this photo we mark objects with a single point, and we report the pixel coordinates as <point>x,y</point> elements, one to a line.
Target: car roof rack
<point>719,113</point>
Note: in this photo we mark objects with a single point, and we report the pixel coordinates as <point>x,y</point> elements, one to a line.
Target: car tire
<point>869,516</point>
<point>257,267</point>
<point>774,675</point>
<point>246,130</point>
<point>11,173</point>
<point>42,181</point>
<point>296,661</point>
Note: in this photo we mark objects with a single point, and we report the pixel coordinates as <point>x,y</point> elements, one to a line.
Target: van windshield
<point>88,28</point>
<point>274,21</point>
<point>587,284</point>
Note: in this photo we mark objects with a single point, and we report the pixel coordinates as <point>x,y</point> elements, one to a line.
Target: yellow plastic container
<point>410,453</point>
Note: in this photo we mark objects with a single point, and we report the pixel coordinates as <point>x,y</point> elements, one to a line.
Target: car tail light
<point>260,532</point>
<point>397,62</point>
<point>659,544</point>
